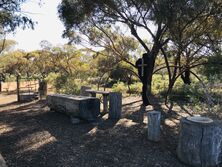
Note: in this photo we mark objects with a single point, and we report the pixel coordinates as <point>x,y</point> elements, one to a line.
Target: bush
<point>68,85</point>
<point>135,88</point>
<point>159,83</point>
<point>71,87</point>
<point>120,87</point>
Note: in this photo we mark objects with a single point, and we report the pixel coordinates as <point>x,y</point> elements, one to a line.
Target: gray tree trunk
<point>115,105</point>
<point>154,118</point>
<point>200,144</point>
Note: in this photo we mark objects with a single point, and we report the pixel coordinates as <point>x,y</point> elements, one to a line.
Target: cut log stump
<point>115,105</point>
<point>200,142</point>
<point>154,125</point>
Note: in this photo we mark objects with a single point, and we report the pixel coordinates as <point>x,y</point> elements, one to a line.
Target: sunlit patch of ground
<point>4,99</point>
<point>35,141</point>
<point>4,128</point>
<point>32,135</point>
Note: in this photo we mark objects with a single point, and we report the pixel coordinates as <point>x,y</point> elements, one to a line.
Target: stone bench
<point>87,108</point>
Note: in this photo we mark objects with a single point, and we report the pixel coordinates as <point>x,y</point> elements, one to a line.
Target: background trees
<point>178,37</point>
<point>167,23</point>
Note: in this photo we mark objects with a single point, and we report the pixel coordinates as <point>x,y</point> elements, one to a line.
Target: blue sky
<point>49,26</point>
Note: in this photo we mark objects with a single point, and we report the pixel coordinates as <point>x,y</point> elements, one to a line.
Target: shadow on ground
<point>32,135</point>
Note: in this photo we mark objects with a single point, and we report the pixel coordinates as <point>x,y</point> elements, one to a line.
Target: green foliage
<point>12,16</point>
<point>213,68</point>
<point>15,63</point>
<point>192,27</point>
<point>120,87</point>
<point>41,64</point>
<point>192,94</point>
<point>67,85</point>
<point>71,86</point>
<point>159,83</point>
<point>135,88</point>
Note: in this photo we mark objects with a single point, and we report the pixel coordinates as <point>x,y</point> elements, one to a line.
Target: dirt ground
<point>33,136</point>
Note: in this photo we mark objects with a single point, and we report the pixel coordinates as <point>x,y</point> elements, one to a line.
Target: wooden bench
<point>105,95</point>
<point>87,108</point>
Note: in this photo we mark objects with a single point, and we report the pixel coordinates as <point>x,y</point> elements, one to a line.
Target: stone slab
<point>87,108</point>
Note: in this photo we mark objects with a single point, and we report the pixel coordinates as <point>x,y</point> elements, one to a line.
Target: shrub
<point>159,83</point>
<point>135,88</point>
<point>67,84</point>
<point>120,87</point>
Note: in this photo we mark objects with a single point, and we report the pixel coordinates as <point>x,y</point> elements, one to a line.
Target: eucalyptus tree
<point>157,17</point>
<point>15,63</point>
<point>68,60</point>
<point>12,16</point>
<point>5,47</point>
<point>118,52</point>
<point>195,33</point>
<point>41,66</point>
<point>71,65</point>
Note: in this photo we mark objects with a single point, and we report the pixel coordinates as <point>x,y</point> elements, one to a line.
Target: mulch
<point>33,136</point>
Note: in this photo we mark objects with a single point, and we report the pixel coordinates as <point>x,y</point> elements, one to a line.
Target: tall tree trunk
<point>150,62</point>
<point>18,87</point>
<point>146,75</point>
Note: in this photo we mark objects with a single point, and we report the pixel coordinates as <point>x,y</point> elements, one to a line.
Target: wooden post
<point>115,105</point>
<point>42,89</point>
<point>105,102</point>
<point>154,125</point>
<point>18,88</point>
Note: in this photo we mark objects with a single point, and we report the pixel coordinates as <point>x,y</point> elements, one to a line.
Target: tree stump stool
<point>115,105</point>
<point>200,141</point>
<point>154,125</point>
